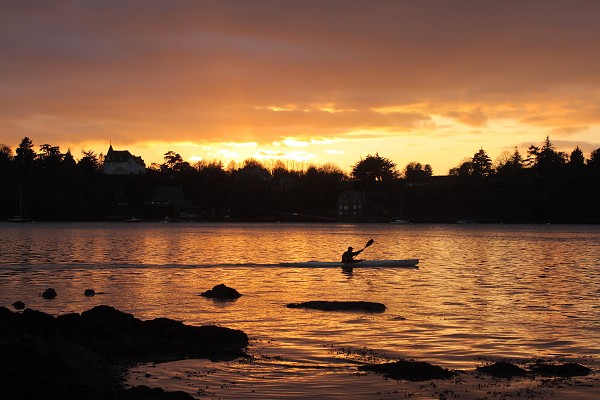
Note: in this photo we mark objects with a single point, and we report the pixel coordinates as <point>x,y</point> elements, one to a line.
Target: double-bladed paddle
<point>370,242</point>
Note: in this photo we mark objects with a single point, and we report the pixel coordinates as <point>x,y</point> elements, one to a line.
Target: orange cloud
<point>266,71</point>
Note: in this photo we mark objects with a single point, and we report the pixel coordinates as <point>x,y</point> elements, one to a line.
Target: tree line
<point>545,185</point>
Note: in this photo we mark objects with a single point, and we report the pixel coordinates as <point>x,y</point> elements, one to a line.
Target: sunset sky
<point>313,81</point>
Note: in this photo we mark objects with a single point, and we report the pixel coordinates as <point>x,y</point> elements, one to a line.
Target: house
<point>351,203</point>
<point>122,162</point>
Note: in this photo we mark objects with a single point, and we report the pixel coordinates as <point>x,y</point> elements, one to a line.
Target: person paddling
<point>348,256</point>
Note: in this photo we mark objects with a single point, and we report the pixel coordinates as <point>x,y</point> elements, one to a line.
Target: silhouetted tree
<point>576,157</point>
<point>464,169</point>
<point>253,170</point>
<point>89,163</point>
<point>546,160</point>
<point>511,166</point>
<point>333,171</point>
<point>25,156</point>
<point>317,190</point>
<point>576,164</point>
<point>252,191</point>
<point>5,157</point>
<point>415,172</point>
<point>212,172</point>
<point>5,152</point>
<point>481,164</point>
<point>375,170</point>
<point>175,163</point>
<point>231,167</point>
<point>154,167</point>
<point>279,169</point>
<point>68,164</point>
<point>594,162</point>
<point>214,165</point>
<point>49,158</point>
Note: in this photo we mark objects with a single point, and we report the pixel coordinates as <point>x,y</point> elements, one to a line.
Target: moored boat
<point>20,217</point>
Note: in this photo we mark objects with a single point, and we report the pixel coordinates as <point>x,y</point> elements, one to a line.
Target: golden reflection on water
<point>504,291</point>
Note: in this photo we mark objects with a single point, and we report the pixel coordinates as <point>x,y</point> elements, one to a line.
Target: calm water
<point>481,291</point>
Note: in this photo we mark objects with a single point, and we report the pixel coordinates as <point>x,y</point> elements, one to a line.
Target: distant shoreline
<point>316,220</point>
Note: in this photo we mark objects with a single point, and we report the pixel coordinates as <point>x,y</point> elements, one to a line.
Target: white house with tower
<point>122,162</point>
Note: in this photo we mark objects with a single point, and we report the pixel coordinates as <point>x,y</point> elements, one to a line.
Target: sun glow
<point>299,156</point>
<point>295,143</point>
<point>463,131</point>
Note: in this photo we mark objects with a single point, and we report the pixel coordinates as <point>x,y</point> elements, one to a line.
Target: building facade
<point>351,203</point>
<point>122,162</point>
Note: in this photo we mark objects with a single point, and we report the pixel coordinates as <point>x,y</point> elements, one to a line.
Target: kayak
<point>408,263</point>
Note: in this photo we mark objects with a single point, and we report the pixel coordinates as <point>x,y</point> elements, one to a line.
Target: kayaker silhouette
<point>348,256</point>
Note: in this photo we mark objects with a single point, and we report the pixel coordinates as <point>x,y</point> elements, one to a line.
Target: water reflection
<point>348,271</point>
<point>504,290</point>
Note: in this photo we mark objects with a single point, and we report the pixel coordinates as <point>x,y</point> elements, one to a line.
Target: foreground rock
<point>502,369</point>
<point>222,292</point>
<point>18,305</point>
<point>409,370</point>
<point>562,370</point>
<point>49,293</point>
<point>83,356</point>
<point>340,306</point>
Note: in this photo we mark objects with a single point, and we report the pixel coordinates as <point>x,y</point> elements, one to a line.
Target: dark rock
<point>409,370</point>
<point>49,293</point>
<point>502,369</point>
<point>38,317</point>
<point>562,370</point>
<point>105,319</point>
<point>340,306</point>
<point>89,292</point>
<point>117,332</point>
<point>36,321</point>
<point>14,325</point>
<point>221,292</point>
<point>18,305</point>
<point>70,326</point>
<point>31,372</point>
<point>77,356</point>
<point>5,313</point>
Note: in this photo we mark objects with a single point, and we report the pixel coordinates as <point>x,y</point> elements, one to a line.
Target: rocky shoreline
<point>84,356</point>
<point>87,355</point>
